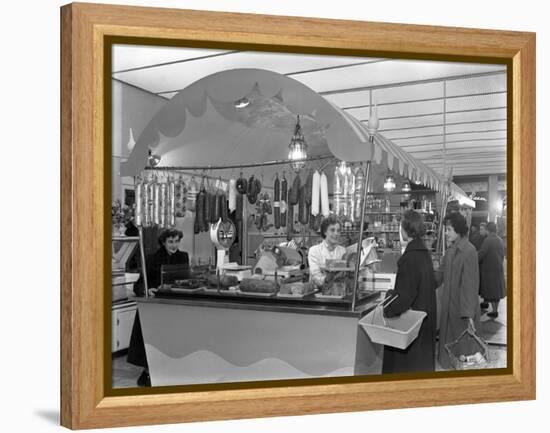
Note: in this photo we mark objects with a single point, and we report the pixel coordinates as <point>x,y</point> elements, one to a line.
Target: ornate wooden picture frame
<point>87,400</point>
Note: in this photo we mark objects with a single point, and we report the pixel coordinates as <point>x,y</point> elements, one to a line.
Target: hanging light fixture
<point>131,142</point>
<point>406,187</point>
<point>373,124</point>
<point>389,182</point>
<point>242,103</point>
<point>297,149</point>
<point>153,159</point>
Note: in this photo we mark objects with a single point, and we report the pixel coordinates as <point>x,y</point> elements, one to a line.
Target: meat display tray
<point>247,297</point>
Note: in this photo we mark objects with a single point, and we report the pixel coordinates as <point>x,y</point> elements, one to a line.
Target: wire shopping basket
<point>474,357</point>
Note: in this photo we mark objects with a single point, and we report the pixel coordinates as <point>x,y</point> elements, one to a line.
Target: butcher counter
<point>194,339</point>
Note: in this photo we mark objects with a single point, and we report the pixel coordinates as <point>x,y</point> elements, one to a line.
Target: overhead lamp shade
<point>131,142</point>
<point>242,103</point>
<point>406,187</point>
<point>389,183</point>
<point>297,149</point>
<point>153,159</point>
<point>373,124</point>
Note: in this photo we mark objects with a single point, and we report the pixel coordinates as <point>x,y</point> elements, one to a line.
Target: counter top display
<point>309,304</point>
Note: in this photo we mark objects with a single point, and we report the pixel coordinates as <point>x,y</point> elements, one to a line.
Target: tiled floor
<point>492,330</point>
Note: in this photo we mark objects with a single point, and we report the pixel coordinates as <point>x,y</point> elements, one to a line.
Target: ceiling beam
<point>448,133</point>
<point>174,62</point>
<point>438,113</point>
<point>440,124</point>
<point>412,101</point>
<point>328,68</point>
<point>412,82</point>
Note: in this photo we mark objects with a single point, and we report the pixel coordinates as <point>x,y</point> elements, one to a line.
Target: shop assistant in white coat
<point>329,249</point>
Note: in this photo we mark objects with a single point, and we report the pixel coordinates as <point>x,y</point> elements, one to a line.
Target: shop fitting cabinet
<point>122,322</point>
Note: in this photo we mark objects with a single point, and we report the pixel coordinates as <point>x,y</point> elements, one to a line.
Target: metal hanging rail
<point>233,166</point>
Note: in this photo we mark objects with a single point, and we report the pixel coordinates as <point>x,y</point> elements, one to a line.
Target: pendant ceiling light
<point>297,149</point>
<point>241,103</point>
<point>153,159</point>
<point>389,182</point>
<point>406,187</point>
<point>131,142</point>
<point>373,123</point>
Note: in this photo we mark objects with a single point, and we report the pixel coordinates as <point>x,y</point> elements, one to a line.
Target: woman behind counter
<point>329,248</point>
<point>459,274</point>
<point>167,254</point>
<point>415,287</point>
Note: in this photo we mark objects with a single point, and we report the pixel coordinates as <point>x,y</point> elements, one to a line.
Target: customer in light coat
<point>459,273</point>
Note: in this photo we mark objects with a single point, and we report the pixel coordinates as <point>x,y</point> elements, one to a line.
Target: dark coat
<point>476,240</point>
<point>136,349</point>
<point>491,257</point>
<point>415,285</point>
<point>459,273</point>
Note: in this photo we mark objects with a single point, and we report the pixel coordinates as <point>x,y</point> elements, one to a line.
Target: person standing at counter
<point>415,288</point>
<point>167,254</point>
<point>459,273</point>
<point>491,270</point>
<point>329,248</point>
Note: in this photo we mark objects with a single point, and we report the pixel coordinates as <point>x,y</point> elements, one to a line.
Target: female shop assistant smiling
<point>329,248</point>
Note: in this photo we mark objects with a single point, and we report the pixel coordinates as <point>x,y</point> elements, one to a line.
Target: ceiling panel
<point>389,72</point>
<point>138,56</point>
<point>493,83</point>
<point>477,102</point>
<point>409,95</point>
<point>492,114</point>
<point>177,76</point>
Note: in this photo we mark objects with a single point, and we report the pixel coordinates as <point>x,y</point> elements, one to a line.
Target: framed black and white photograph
<point>302,217</point>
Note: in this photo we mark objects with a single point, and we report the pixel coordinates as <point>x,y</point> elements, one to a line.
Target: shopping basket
<point>398,331</point>
<point>476,359</point>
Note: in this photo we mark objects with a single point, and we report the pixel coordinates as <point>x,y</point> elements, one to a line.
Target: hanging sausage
<point>138,215</point>
<point>283,204</point>
<point>276,204</point>
<point>337,190</point>
<point>180,192</point>
<point>301,203</point>
<point>251,192</point>
<point>239,208</point>
<point>232,195</point>
<point>162,204</point>
<point>150,210</point>
<point>192,191</point>
<point>156,203</point>
<point>325,210</point>
<point>315,193</point>
<point>293,194</point>
<point>241,184</point>
<point>203,207</point>
<point>171,203</point>
<point>358,194</point>
<point>350,195</point>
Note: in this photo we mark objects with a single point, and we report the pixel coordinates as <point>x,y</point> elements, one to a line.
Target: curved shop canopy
<point>202,125</point>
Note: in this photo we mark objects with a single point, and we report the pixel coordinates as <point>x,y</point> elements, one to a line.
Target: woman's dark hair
<point>457,221</point>
<point>491,227</point>
<point>328,221</point>
<point>169,233</point>
<point>413,224</point>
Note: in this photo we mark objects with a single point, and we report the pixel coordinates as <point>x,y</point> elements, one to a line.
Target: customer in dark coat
<point>475,238</point>
<point>491,270</point>
<point>459,273</point>
<point>167,254</point>
<point>415,287</point>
